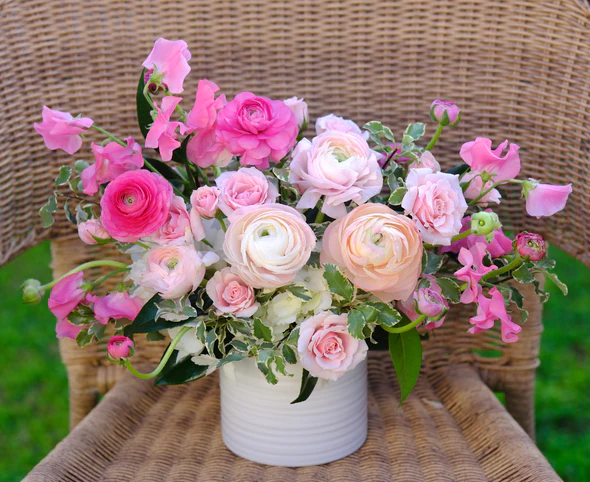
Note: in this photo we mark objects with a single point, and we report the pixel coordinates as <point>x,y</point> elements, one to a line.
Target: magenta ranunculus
<point>62,131</point>
<point>499,246</point>
<point>245,187</point>
<point>231,294</point>
<point>258,129</point>
<point>491,309</point>
<point>136,204</point>
<point>92,231</point>
<point>169,58</point>
<point>545,199</point>
<point>66,295</point>
<point>162,133</point>
<point>205,201</point>
<point>115,306</point>
<point>120,346</point>
<point>530,245</point>
<point>112,160</point>
<point>445,113</point>
<point>480,156</point>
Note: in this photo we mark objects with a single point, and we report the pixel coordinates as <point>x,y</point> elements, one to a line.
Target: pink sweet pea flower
<point>170,58</point>
<point>480,156</point>
<point>120,346</point>
<point>66,295</point>
<point>115,306</point>
<point>64,329</point>
<point>545,199</point>
<point>112,160</point>
<point>162,134</point>
<point>472,271</point>
<point>62,131</point>
<point>491,309</point>
<point>500,245</point>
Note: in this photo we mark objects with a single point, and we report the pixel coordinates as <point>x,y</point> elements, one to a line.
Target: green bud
<point>484,224</point>
<point>32,293</point>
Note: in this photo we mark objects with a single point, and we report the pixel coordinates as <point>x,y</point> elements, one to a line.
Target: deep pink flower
<point>491,309</point>
<point>115,306</point>
<point>530,245</point>
<point>545,199</point>
<point>445,112</point>
<point>258,129</point>
<point>170,58</point>
<point>66,295</point>
<point>480,156</point>
<point>500,245</point>
<point>112,160</point>
<point>162,134</point>
<point>136,204</point>
<point>120,346</point>
<point>472,271</point>
<point>429,301</point>
<point>62,131</point>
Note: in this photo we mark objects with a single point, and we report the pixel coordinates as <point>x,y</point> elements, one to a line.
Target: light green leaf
<point>300,292</point>
<point>46,217</point>
<point>338,283</point>
<point>281,174</point>
<point>522,274</point>
<point>405,350</point>
<point>415,131</point>
<point>154,336</point>
<point>433,262</point>
<point>233,356</point>
<point>561,285</point>
<point>84,338</point>
<point>397,196</point>
<point>387,316</point>
<point>80,165</point>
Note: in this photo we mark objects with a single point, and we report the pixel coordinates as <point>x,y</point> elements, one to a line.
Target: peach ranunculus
<point>436,202</point>
<point>337,165</point>
<point>326,348</point>
<point>230,294</point>
<point>267,245</point>
<point>379,250</point>
<point>245,187</point>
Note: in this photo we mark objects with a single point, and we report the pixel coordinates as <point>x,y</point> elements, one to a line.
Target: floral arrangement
<point>299,249</point>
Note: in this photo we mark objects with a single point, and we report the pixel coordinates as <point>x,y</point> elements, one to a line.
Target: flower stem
<point>147,96</point>
<point>494,186</point>
<point>437,134</point>
<point>219,217</point>
<point>102,279</point>
<point>460,236</point>
<point>320,217</point>
<point>164,360</point>
<point>407,327</point>
<point>203,175</point>
<point>82,267</point>
<point>109,135</point>
<point>515,263</point>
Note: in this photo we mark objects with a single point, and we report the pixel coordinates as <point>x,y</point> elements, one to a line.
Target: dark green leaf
<point>338,283</point>
<point>553,277</point>
<point>415,131</point>
<point>308,383</point>
<point>370,313</point>
<point>261,331</point>
<point>97,329</point>
<point>394,182</point>
<point>234,356</point>
<point>64,175</point>
<point>356,323</point>
<point>433,262</point>
<point>289,354</point>
<point>144,109</point>
<point>522,274</point>
<point>176,372</point>
<point>145,321</point>
<point>154,336</point>
<point>84,337</point>
<point>319,229</point>
<point>387,316</point>
<point>239,345</point>
<point>69,214</point>
<point>300,292</point>
<point>166,170</point>
<point>406,354</point>
<point>545,264</point>
<point>460,169</point>
<point>450,289</point>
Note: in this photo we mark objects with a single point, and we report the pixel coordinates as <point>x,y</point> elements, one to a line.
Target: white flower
<point>283,309</point>
<point>189,344</point>
<point>313,279</point>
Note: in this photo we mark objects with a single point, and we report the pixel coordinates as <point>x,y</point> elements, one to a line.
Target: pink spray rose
<point>115,306</point>
<point>92,230</point>
<point>257,128</point>
<point>120,346</point>
<point>545,199</point>
<point>480,156</point>
<point>333,122</point>
<point>245,187</point>
<point>426,159</point>
<point>300,109</point>
<point>230,294</point>
<point>445,113</point>
<point>112,160</point>
<point>337,165</point>
<point>426,301</point>
<point>205,201</point>
<point>326,349</point>
<point>62,131</point>
<point>267,245</point>
<point>472,271</point>
<point>170,58</point>
<point>491,309</point>
<point>530,245</point>
<point>66,295</point>
<point>379,250</point>
<point>499,246</point>
<point>162,134</point>
<point>476,187</point>
<point>436,202</point>
<point>136,204</point>
<point>179,225</point>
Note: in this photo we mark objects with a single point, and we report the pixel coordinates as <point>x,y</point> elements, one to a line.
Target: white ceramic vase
<point>259,423</point>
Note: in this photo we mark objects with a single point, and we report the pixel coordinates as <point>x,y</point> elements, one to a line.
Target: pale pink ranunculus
<point>205,201</point>
<point>378,249</point>
<point>445,112</point>
<point>170,58</point>
<point>429,301</point>
<point>257,128</point>
<point>179,225</point>
<point>231,294</point>
<point>62,131</point>
<point>426,159</point>
<point>326,349</point>
<point>120,346</point>
<point>300,109</point>
<point>491,309</point>
<point>115,306</point>
<point>245,187</point>
<point>436,202</point>
<point>66,295</point>
<point>267,244</point>
<point>111,161</point>
<point>134,205</point>
<point>476,187</point>
<point>333,122</point>
<point>162,134</point>
<point>472,271</point>
<point>545,199</point>
<point>337,165</point>
<point>499,246</point>
<point>92,231</point>
<point>480,156</point>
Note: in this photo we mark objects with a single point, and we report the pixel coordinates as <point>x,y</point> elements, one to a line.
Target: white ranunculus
<point>313,279</point>
<point>283,309</point>
<point>189,344</point>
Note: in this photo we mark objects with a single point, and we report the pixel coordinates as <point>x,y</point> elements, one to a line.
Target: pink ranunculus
<point>545,199</point>
<point>62,131</point>
<point>445,112</point>
<point>268,244</point>
<point>120,346</point>
<point>300,109</point>
<point>66,295</point>
<point>136,204</point>
<point>65,329</point>
<point>337,165</point>
<point>379,250</point>
<point>491,309</point>
<point>530,245</point>
<point>499,246</point>
<point>91,231</point>
<point>115,306</point>
<point>170,58</point>
<point>472,271</point>
<point>112,160</point>
<point>231,294</point>
<point>162,133</point>
<point>326,349</point>
<point>205,201</point>
<point>333,122</point>
<point>426,159</point>
<point>429,301</point>
<point>476,187</point>
<point>480,156</point>
<point>257,128</point>
<point>245,187</point>
<point>179,225</point>
<point>436,202</point>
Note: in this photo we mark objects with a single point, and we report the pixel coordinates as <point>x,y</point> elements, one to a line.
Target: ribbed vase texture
<point>259,423</point>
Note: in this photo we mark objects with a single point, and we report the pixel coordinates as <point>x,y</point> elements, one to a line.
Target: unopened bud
<point>445,113</point>
<point>530,245</point>
<point>484,224</point>
<point>32,293</point>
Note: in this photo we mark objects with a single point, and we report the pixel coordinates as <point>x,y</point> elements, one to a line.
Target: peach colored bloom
<point>230,294</point>
<point>245,187</point>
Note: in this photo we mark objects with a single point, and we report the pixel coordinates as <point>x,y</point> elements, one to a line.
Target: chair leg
<point>520,403</point>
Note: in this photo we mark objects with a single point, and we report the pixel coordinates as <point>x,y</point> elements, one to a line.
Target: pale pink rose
<point>426,159</point>
<point>134,205</point>
<point>62,131</point>
<point>491,309</point>
<point>545,199</point>
<point>115,306</point>
<point>436,202</point>
<point>162,133</point>
<point>230,294</point>
<point>205,201</point>
<point>91,231</point>
<point>267,245</point>
<point>499,246</point>
<point>445,112</point>
<point>300,109</point>
<point>66,295</point>
<point>337,165</point>
<point>530,245</point>
<point>429,302</point>
<point>326,349</point>
<point>476,187</point>
<point>333,122</point>
<point>480,156</point>
<point>472,271</point>
<point>179,225</point>
<point>170,58</point>
<point>379,250</point>
<point>120,346</point>
<point>257,128</point>
<point>245,187</point>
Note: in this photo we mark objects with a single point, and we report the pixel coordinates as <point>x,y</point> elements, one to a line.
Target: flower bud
<point>484,224</point>
<point>430,303</point>
<point>92,232</point>
<point>154,81</point>
<point>32,294</point>
<point>445,113</point>
<point>530,245</point>
<point>300,110</point>
<point>120,347</point>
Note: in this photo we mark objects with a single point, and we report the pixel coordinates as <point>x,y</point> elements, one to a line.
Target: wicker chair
<point>519,70</point>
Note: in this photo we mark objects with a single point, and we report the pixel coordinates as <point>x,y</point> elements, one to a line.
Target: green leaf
<point>387,316</point>
<point>155,336</point>
<point>308,383</point>
<point>239,345</point>
<point>289,354</point>
<point>293,337</point>
<point>97,329</point>
<point>46,217</point>
<point>300,292</point>
<point>433,262</point>
<point>561,285</point>
<point>545,264</point>
<point>77,318</point>
<point>166,170</point>
<point>234,356</point>
<point>268,373</point>
<point>261,331</point>
<point>84,337</point>
<point>405,350</point>
<point>450,289</point>
<point>394,181</point>
<point>370,313</point>
<point>144,109</point>
<point>338,283</point>
<point>522,274</point>
<point>145,321</point>
<point>319,229</point>
<point>281,174</point>
<point>415,131</point>
<point>64,175</point>
<point>459,169</point>
<point>176,372</point>
<point>397,196</point>
<point>69,214</point>
<point>51,204</point>
<point>356,323</point>
<point>80,165</point>
<point>377,129</point>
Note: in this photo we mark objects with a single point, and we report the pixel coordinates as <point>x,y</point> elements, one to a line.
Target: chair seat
<point>451,428</point>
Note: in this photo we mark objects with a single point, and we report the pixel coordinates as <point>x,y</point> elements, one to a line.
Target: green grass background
<point>33,383</point>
